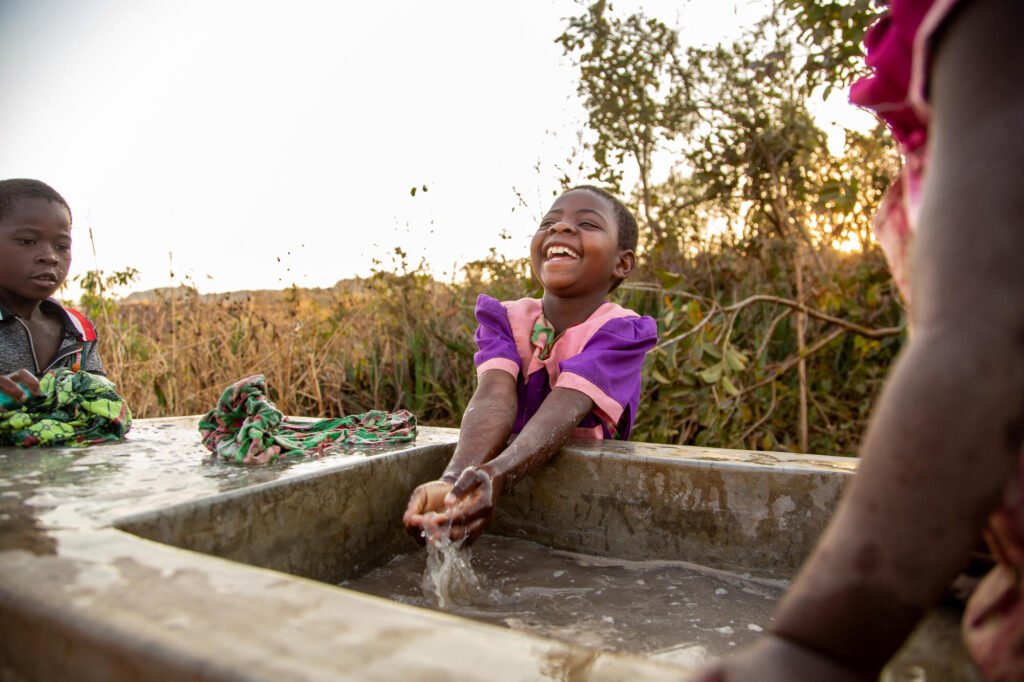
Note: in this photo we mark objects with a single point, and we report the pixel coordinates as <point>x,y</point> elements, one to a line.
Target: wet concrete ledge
<point>147,560</point>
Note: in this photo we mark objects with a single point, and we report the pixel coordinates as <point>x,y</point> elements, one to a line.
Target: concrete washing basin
<point>147,560</point>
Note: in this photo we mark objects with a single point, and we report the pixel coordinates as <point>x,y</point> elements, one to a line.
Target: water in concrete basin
<point>666,610</point>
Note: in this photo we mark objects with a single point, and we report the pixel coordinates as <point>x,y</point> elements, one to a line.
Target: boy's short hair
<point>623,216</point>
<point>18,188</point>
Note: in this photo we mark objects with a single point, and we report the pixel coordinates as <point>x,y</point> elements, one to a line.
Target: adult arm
<point>948,429</point>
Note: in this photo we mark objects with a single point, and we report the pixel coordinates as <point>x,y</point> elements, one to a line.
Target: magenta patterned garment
<point>899,53</point>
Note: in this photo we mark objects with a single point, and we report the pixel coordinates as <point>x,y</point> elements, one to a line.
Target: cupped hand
<point>424,505</point>
<point>774,659</point>
<point>19,385</point>
<point>469,505</point>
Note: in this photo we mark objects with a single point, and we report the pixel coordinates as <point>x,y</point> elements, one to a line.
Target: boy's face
<point>575,250</point>
<point>35,249</point>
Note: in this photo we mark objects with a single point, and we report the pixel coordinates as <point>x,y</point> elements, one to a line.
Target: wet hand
<point>16,387</point>
<point>424,505</point>
<point>469,505</point>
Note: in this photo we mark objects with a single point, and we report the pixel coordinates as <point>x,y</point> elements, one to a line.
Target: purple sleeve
<point>494,339</point>
<point>613,358</point>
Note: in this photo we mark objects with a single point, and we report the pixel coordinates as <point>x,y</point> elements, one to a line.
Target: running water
<point>449,576</point>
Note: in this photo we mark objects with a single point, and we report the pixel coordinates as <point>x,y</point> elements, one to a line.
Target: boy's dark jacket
<point>77,347</point>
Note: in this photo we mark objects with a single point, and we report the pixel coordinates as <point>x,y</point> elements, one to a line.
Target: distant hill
<point>256,296</point>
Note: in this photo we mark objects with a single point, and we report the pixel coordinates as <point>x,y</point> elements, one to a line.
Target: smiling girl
<point>566,365</point>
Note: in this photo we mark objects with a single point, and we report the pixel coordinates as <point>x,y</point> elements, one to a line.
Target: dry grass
<point>375,344</point>
<point>405,341</point>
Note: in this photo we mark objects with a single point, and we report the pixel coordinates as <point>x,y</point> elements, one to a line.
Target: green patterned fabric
<point>73,409</point>
<point>247,428</point>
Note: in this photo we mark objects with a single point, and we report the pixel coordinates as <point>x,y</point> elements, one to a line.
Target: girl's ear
<point>624,264</point>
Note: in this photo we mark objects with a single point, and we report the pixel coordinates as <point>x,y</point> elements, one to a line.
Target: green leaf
<point>712,350</point>
<point>694,311</point>
<point>735,359</point>
<point>668,279</point>
<point>659,377</point>
<point>712,374</point>
<point>730,388</point>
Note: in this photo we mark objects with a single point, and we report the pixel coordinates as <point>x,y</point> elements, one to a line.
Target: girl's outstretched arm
<point>471,502</point>
<point>946,435</point>
<point>486,426</point>
<point>486,423</point>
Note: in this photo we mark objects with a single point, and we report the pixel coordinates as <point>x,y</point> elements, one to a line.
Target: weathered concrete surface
<point>328,525</point>
<point>83,600</point>
<point>97,581</point>
<point>739,511</point>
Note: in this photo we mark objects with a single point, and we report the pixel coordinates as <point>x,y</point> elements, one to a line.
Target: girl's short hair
<point>623,216</point>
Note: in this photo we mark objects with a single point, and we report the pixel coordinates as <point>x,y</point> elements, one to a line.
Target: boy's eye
<point>63,247</point>
<point>26,242</point>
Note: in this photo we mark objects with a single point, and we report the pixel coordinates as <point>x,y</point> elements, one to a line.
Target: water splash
<point>449,577</point>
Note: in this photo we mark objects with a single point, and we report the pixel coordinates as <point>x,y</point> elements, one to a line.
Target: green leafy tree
<point>763,322</point>
<point>831,32</point>
<point>634,99</point>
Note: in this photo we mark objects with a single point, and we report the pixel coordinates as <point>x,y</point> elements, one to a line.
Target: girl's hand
<point>16,387</point>
<point>425,503</point>
<point>774,659</point>
<point>470,504</point>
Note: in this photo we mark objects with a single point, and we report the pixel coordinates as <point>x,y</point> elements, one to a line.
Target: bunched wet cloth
<point>247,428</point>
<point>73,409</point>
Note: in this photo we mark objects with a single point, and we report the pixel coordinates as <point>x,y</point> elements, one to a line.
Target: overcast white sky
<point>265,144</point>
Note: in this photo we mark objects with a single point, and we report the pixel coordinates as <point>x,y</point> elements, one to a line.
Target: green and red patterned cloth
<point>73,409</point>
<point>247,428</point>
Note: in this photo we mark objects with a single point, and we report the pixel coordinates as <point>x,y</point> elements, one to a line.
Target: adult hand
<point>17,387</point>
<point>424,505</point>
<point>774,659</point>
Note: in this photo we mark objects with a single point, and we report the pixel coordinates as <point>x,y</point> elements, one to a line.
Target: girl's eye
<point>26,242</point>
<point>63,247</point>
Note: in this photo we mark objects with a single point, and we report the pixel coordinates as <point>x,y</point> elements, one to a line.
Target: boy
<point>37,334</point>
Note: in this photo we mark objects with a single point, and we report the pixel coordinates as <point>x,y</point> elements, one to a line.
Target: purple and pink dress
<point>899,51</point>
<point>600,357</point>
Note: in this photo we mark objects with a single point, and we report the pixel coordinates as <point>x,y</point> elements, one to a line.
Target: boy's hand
<point>16,387</point>
<point>424,504</point>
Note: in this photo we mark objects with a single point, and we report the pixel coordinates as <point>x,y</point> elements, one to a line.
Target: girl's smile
<point>575,250</point>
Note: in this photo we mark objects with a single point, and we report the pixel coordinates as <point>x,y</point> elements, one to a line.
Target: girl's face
<point>575,251</point>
